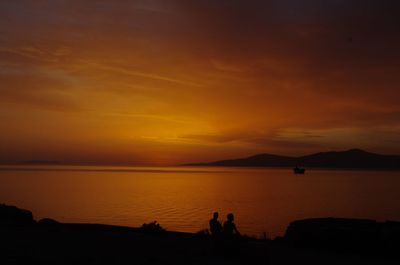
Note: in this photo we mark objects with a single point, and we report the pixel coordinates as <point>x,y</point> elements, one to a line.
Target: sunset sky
<point>164,82</point>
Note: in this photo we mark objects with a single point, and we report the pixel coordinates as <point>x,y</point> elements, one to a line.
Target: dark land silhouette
<point>350,159</point>
<point>312,241</point>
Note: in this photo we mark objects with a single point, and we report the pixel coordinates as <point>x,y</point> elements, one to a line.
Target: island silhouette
<point>350,159</point>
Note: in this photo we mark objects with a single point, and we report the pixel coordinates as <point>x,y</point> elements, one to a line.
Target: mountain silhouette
<point>353,158</point>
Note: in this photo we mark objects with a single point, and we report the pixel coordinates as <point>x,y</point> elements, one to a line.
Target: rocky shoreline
<point>312,241</point>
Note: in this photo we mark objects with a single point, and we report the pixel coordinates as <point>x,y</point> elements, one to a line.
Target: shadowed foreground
<point>24,241</point>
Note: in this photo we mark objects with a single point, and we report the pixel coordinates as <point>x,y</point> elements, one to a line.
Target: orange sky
<point>164,82</point>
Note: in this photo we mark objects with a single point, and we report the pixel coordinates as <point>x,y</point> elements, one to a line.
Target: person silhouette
<point>230,229</point>
<point>215,225</point>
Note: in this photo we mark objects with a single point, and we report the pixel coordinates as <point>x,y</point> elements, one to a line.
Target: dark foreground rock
<point>346,234</point>
<point>52,242</point>
<point>104,244</point>
<point>13,216</point>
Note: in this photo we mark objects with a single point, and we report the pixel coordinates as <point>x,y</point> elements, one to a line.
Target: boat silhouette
<point>299,170</point>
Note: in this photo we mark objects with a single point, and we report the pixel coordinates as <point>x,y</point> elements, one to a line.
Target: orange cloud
<point>166,82</point>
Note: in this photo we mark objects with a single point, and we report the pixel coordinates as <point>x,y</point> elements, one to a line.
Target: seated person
<point>230,227</point>
<point>215,225</point>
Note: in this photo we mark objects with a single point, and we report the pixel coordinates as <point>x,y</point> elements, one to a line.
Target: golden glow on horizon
<point>154,83</point>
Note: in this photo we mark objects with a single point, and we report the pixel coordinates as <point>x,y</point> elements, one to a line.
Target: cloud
<point>41,88</point>
<point>125,71</point>
<point>228,74</point>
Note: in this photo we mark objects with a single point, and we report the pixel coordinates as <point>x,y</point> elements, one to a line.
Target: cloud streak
<point>224,77</point>
<point>125,71</point>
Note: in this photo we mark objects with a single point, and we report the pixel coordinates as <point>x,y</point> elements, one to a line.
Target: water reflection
<point>263,200</point>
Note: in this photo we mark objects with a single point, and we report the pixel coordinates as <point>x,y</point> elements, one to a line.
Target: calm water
<point>183,199</point>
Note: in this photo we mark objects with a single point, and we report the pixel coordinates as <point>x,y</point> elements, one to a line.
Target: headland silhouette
<point>350,159</point>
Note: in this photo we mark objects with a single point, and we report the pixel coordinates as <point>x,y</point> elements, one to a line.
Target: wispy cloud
<point>125,71</point>
<point>277,75</point>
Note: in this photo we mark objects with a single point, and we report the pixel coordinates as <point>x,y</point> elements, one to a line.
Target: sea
<point>263,200</point>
